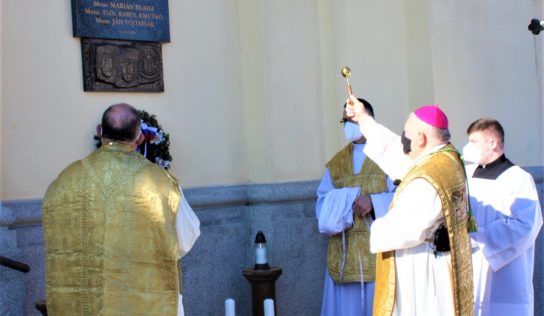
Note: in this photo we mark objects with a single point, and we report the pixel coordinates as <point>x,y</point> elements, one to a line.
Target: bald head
<point>121,122</point>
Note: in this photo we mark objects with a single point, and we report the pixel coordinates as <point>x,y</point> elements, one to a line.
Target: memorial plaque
<point>115,65</point>
<point>135,20</point>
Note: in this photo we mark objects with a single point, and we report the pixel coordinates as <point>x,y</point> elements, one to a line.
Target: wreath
<point>156,144</point>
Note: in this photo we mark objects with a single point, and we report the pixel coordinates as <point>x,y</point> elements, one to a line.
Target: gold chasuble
<point>110,237</point>
<point>444,171</point>
<point>344,267</point>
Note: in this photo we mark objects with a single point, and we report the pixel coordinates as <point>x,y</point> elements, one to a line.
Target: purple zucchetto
<point>432,115</point>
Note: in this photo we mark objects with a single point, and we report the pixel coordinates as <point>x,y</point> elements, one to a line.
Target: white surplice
<point>423,284</point>
<point>188,230</point>
<point>509,218</point>
<point>334,214</point>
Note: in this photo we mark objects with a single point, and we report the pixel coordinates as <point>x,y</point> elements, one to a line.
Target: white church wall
<point>253,92</point>
<point>244,90</point>
<point>49,121</point>
<point>484,66</point>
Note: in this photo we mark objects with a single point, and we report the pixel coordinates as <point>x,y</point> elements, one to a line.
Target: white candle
<point>229,307</point>
<point>268,307</point>
<point>260,255</point>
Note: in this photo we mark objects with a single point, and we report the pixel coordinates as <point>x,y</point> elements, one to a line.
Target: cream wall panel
<point>420,78</point>
<point>375,49</point>
<point>255,120</point>
<point>484,65</point>
<point>253,90</point>
<point>45,119</point>
<point>332,93</point>
<point>48,121</point>
<point>203,101</point>
<point>369,37</point>
<point>290,33</point>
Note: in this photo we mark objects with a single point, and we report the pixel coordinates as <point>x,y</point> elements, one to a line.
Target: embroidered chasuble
<point>346,267</point>
<point>444,171</point>
<point>110,237</point>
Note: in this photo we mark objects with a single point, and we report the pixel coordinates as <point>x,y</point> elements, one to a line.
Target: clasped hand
<point>362,205</point>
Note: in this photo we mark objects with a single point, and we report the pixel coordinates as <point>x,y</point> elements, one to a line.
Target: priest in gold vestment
<point>423,264</point>
<point>110,229</point>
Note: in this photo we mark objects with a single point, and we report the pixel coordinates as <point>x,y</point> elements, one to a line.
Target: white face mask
<point>471,153</point>
<point>352,132</point>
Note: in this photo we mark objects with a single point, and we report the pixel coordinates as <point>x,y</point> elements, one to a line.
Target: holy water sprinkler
<point>346,73</point>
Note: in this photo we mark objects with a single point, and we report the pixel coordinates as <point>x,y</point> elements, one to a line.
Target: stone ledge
<point>29,212</point>
<point>6,216</point>
<point>250,194</point>
<point>26,212</point>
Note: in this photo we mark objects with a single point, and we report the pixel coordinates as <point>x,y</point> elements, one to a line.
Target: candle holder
<point>262,287</point>
<point>262,277</point>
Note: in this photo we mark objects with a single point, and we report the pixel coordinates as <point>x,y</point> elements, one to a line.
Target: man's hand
<point>362,205</point>
<point>355,110</point>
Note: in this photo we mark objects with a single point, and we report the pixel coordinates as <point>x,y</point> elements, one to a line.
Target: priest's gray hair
<point>442,134</point>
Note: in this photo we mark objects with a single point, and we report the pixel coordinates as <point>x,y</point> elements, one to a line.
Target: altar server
<point>505,203</point>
